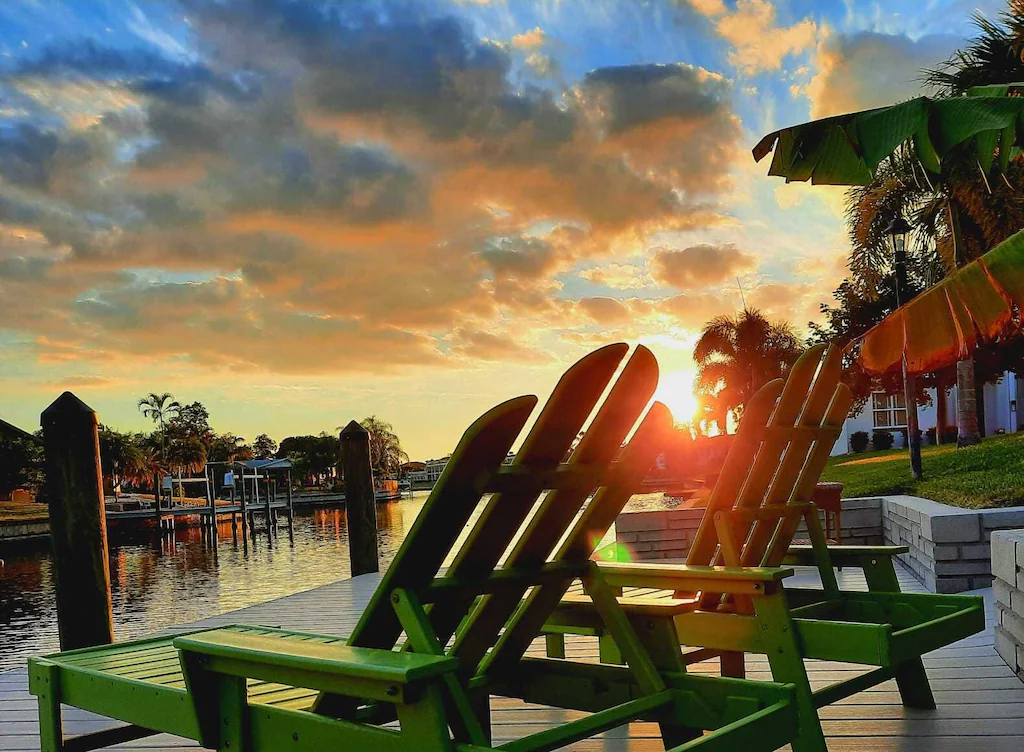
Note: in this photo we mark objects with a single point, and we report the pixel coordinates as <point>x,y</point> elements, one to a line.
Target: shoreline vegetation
<point>990,474</point>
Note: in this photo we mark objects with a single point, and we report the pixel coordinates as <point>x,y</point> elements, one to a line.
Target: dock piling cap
<point>67,403</point>
<point>353,431</point>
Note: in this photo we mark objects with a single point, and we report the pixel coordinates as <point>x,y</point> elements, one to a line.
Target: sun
<point>675,389</point>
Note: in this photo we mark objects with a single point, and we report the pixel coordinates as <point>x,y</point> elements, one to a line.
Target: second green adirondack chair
<point>467,625</point>
<point>784,439</point>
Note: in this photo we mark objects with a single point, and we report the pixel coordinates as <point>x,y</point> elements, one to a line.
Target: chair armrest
<point>685,577</point>
<point>276,656</point>
<point>842,556</point>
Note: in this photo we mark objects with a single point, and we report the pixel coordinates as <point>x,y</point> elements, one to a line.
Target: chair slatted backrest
<point>784,439</point>
<point>539,471</point>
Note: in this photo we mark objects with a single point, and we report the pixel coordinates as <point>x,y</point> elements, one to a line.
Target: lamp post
<point>897,231</point>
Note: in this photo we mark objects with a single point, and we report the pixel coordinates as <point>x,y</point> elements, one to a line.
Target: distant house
<point>434,468</point>
<point>11,431</point>
<point>414,472</point>
<point>997,404</point>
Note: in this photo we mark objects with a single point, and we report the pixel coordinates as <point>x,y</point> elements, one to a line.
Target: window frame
<point>894,404</point>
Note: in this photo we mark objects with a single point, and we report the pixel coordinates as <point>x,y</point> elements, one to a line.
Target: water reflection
<point>159,581</point>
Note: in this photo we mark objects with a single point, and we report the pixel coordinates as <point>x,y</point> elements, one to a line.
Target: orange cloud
<point>530,40</point>
<point>759,43</point>
<point>700,265</point>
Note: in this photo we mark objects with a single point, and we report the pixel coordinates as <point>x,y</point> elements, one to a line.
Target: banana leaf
<point>978,303</point>
<point>846,149</point>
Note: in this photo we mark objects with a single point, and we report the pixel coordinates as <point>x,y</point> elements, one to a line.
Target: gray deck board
<point>980,702</point>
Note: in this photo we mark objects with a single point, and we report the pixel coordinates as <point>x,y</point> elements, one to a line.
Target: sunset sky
<point>301,213</point>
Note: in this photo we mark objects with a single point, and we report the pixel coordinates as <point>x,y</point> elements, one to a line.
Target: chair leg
<point>51,730</point>
<point>912,681</point>
<point>608,651</point>
<point>554,645</point>
<point>778,639</point>
<point>424,722</point>
<point>916,692</point>
<point>481,702</point>
<point>660,638</point>
<point>733,664</point>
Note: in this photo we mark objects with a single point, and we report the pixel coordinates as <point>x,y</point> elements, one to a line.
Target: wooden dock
<point>980,702</point>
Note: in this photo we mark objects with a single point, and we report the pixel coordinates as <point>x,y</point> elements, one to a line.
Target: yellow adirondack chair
<point>784,439</point>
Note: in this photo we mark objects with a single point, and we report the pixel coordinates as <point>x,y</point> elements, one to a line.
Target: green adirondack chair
<point>784,439</point>
<point>467,626</point>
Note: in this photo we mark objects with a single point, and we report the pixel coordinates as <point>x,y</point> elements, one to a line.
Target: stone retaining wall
<point>16,531</point>
<point>1008,588</point>
<point>950,550</point>
<point>668,533</point>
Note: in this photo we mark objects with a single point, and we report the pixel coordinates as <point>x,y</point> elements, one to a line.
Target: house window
<point>889,410</point>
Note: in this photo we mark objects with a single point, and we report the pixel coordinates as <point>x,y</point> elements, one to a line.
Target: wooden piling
<point>288,499</point>
<point>361,509</point>
<point>269,510</point>
<point>78,528</point>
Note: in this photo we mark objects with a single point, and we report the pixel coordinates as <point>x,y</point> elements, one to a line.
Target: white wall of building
<point>1001,413</point>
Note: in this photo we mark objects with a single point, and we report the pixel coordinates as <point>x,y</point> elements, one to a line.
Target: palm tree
<point>226,447</point>
<point>187,455</point>
<point>958,213</point>
<point>386,453</point>
<point>122,458</point>
<point>736,355</point>
<point>993,57</point>
<point>160,408</point>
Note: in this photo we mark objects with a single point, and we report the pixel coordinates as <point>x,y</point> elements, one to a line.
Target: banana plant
<point>937,138</point>
<point>978,303</point>
<point>847,149</point>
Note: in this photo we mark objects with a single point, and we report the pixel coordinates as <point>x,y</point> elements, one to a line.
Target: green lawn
<point>988,475</point>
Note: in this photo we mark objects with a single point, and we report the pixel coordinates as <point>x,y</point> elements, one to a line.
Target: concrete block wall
<point>950,548</point>
<point>1008,589</point>
<point>668,533</point>
<point>657,534</point>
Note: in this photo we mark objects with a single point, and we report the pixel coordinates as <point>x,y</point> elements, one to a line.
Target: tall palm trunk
<point>967,431</point>
<point>941,414</point>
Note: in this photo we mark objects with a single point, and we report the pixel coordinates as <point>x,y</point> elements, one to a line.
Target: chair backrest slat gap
<point>603,439</point>
<point>571,402</point>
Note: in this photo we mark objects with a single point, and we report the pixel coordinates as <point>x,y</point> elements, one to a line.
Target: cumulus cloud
<point>314,190</point>
<point>700,265</point>
<point>617,276</point>
<point>530,40</point>
<point>759,42</point>
<point>864,70</point>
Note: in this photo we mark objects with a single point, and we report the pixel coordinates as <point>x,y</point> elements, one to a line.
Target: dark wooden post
<point>246,529</point>
<point>361,509</point>
<point>268,508</point>
<point>288,498</point>
<point>78,527</point>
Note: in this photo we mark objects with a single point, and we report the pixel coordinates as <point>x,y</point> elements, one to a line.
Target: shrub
<point>882,440</point>
<point>949,435</point>
<point>859,441</point>
<point>931,435</point>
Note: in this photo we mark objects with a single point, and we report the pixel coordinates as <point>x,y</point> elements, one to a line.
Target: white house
<point>998,403</point>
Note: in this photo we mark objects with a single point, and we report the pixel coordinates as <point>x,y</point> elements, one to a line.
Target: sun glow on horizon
<point>675,390</point>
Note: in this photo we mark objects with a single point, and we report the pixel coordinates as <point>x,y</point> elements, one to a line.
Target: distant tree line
<point>183,442</point>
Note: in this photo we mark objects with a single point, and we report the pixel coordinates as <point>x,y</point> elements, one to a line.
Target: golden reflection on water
<point>159,581</point>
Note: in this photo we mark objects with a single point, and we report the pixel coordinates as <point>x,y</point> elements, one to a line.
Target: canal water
<point>156,583</point>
